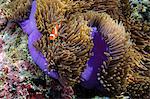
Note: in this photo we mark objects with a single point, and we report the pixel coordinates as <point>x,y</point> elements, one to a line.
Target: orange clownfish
<point>54,33</point>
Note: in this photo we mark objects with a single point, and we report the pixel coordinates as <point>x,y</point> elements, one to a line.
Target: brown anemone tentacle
<point>18,10</point>
<point>138,87</point>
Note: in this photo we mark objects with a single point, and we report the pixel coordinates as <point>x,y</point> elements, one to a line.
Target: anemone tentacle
<point>18,10</point>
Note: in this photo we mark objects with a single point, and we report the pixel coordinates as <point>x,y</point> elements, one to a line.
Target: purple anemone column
<point>95,61</point>
<point>29,26</point>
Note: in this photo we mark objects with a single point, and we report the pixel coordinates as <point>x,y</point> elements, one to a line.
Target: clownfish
<point>54,33</point>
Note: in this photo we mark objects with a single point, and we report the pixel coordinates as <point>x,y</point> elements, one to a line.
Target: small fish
<point>54,33</point>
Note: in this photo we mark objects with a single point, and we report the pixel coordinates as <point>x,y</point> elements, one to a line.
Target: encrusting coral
<point>68,44</point>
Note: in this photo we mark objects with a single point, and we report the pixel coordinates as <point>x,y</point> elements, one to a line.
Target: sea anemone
<point>70,51</point>
<point>89,46</point>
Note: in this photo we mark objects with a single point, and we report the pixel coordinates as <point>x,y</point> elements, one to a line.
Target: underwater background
<point>21,77</point>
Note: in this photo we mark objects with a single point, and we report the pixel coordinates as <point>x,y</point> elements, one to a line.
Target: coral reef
<point>15,42</point>
<point>19,76</point>
<point>97,43</point>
